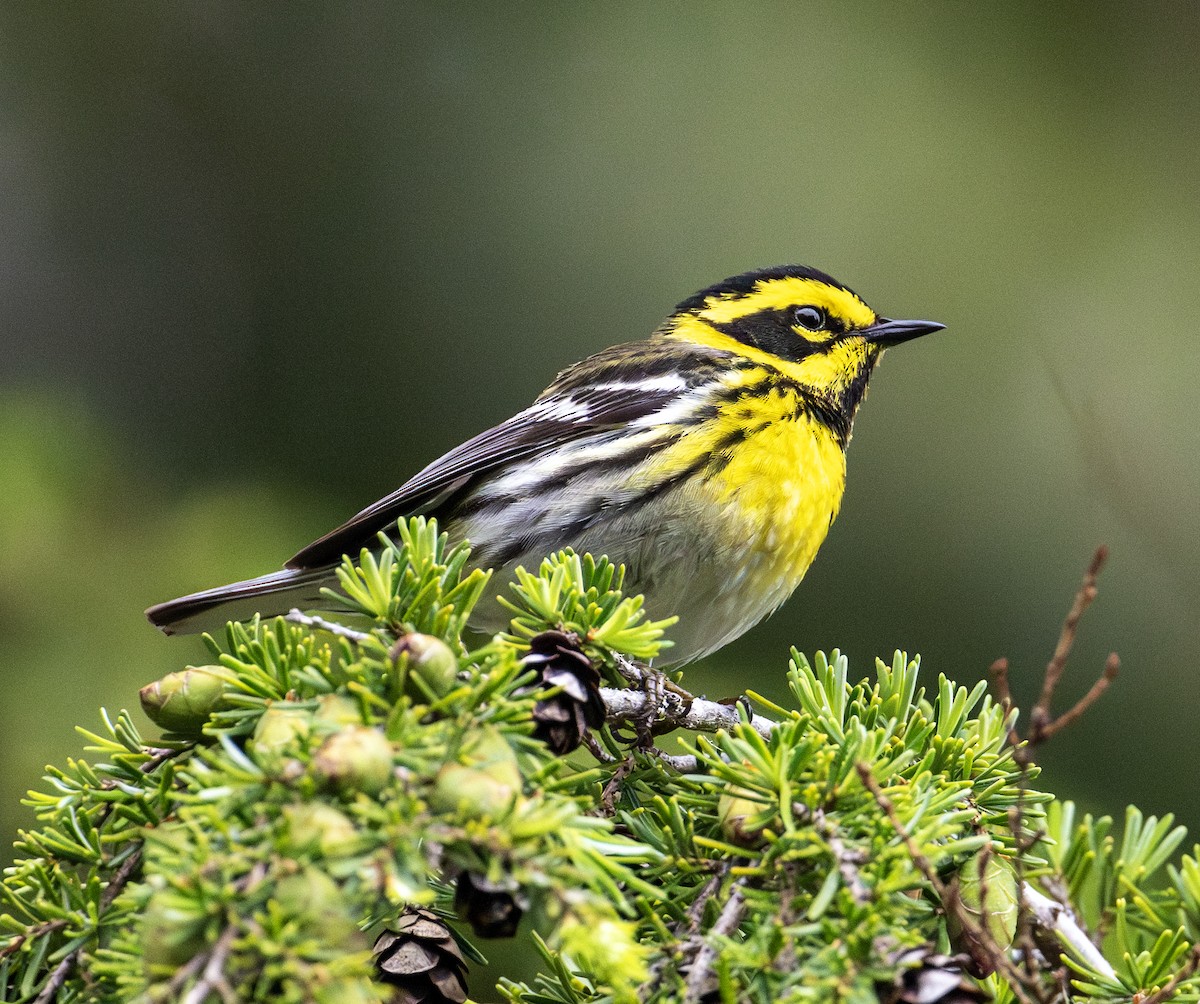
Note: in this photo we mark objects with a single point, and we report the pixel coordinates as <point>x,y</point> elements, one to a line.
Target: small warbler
<point>709,459</point>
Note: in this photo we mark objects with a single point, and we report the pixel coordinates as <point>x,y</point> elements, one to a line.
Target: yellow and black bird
<point>709,459</point>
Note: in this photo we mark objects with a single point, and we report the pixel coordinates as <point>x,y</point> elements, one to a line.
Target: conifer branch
<point>675,708</point>
<point>319,780</point>
<point>116,885</point>
<point>982,944</point>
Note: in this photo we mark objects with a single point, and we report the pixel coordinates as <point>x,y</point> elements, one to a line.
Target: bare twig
<point>1042,723</point>
<point>612,788</point>
<point>213,979</point>
<point>728,921</point>
<point>696,910</point>
<point>598,751</point>
<point>999,674</point>
<point>294,616</point>
<point>1050,915</point>
<point>685,763</point>
<point>695,913</point>
<point>1066,636</point>
<point>15,943</point>
<point>696,713</point>
<point>185,973</point>
<point>847,860</point>
<point>57,979</point>
<point>1111,665</point>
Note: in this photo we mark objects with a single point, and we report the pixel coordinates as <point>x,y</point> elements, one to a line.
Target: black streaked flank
<point>473,504</point>
<point>603,507</point>
<point>722,452</point>
<point>666,484</point>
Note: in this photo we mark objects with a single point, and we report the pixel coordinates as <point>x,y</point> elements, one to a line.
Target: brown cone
<point>562,719</point>
<point>421,959</point>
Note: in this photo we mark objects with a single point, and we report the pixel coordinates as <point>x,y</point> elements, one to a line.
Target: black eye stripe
<point>776,330</point>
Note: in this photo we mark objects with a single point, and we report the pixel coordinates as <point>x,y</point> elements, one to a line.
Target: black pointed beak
<point>885,332</point>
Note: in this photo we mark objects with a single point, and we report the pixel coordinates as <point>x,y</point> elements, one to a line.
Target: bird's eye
<point>812,318</point>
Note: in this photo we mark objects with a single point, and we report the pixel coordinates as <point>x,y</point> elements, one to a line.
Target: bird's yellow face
<point>798,321</point>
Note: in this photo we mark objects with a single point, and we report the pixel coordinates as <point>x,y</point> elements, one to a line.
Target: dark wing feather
<point>538,429</point>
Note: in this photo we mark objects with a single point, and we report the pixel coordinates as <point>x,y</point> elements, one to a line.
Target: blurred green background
<point>260,263</point>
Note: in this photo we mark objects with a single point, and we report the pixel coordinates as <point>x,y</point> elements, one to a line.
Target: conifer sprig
<point>317,789</point>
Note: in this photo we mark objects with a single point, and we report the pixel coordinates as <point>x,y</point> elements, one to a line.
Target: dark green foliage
<point>343,780</point>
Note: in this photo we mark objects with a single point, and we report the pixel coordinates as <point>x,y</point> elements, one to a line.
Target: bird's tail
<point>268,595</point>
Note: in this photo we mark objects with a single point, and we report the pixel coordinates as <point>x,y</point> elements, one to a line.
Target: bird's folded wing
<point>554,419</point>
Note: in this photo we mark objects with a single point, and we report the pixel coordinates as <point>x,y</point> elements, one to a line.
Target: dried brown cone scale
<point>493,909</point>
<point>562,719</point>
<point>421,959</point>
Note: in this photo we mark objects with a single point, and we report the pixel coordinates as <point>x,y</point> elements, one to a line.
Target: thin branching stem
<point>726,923</point>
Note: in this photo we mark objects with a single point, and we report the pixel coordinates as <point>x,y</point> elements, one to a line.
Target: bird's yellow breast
<point>784,487</point>
<point>772,487</point>
<point>787,479</point>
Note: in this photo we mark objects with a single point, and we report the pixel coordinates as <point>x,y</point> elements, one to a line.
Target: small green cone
<point>356,759</point>
<point>423,659</point>
<point>471,792</point>
<point>335,711</point>
<point>491,753</point>
<point>279,731</point>
<point>182,702</point>
<point>486,785</point>
<point>317,828</point>
<point>986,888</point>
<point>735,808</point>
<point>321,908</point>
